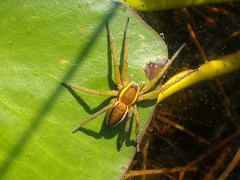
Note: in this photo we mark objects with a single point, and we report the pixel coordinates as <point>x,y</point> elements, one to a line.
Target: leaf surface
<point>46,42</point>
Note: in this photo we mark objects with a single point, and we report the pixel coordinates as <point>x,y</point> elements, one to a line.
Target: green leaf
<point>46,42</point>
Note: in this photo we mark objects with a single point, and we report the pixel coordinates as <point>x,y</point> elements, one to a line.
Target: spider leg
<point>101,93</point>
<point>115,64</point>
<point>163,88</point>
<point>125,52</point>
<point>128,81</point>
<point>136,114</point>
<point>141,85</point>
<point>130,113</point>
<point>109,106</point>
<point>163,70</point>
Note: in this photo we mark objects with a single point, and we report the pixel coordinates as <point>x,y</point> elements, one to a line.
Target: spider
<point>128,94</point>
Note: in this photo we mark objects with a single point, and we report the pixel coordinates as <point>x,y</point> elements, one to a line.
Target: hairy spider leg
<point>141,85</point>
<point>125,54</point>
<point>109,106</point>
<point>101,93</point>
<point>115,64</point>
<point>137,119</point>
<point>129,80</point>
<point>129,118</point>
<point>163,88</point>
<point>163,70</point>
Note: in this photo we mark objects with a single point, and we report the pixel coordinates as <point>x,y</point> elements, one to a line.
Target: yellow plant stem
<point>206,71</point>
<point>156,5</point>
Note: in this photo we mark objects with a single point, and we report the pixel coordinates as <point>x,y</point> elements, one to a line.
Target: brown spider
<point>128,93</point>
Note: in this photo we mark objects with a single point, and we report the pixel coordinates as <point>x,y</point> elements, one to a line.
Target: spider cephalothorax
<point>128,93</point>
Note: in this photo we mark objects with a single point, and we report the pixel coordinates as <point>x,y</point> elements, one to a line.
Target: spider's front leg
<point>125,53</point>
<point>119,79</point>
<point>115,64</point>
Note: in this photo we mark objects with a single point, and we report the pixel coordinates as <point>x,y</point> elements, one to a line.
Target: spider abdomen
<point>129,94</point>
<point>116,114</point>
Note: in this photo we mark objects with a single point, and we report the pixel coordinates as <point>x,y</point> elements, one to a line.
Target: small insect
<point>128,93</point>
<point>153,68</point>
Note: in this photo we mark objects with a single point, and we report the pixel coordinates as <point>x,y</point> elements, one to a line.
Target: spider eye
<point>117,114</point>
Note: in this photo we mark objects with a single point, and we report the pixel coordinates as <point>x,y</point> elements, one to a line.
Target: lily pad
<point>46,42</point>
